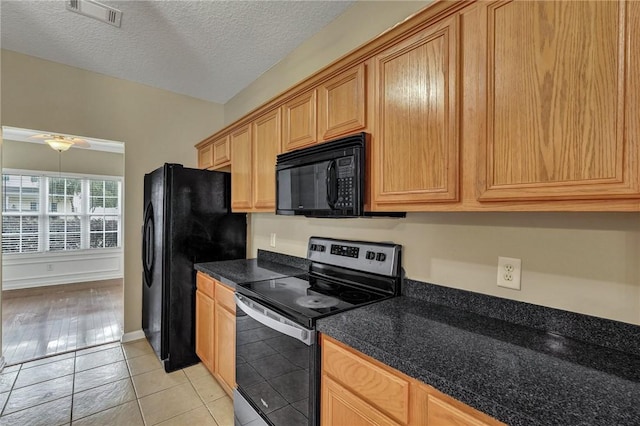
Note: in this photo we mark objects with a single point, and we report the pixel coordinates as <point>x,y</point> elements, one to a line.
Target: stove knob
<point>371,255</point>
<point>381,257</point>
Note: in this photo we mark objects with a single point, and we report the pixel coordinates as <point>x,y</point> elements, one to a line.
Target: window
<point>47,213</point>
<point>104,202</point>
<point>20,214</point>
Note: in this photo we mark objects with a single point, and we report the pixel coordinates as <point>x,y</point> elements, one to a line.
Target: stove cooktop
<point>307,297</point>
<point>342,275</point>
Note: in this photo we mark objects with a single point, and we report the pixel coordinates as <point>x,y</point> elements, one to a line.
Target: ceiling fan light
<point>59,145</point>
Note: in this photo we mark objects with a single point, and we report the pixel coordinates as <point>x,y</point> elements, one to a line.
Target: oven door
<point>276,372</point>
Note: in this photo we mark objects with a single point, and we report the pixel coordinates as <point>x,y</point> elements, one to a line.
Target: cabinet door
<point>204,329</point>
<point>241,169</point>
<point>341,104</point>
<point>300,121</point>
<point>266,145</point>
<point>560,80</point>
<point>221,152</point>
<point>225,344</point>
<point>416,144</point>
<point>205,157</point>
<point>341,407</point>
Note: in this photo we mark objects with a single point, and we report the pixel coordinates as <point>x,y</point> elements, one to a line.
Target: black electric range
<point>278,361</point>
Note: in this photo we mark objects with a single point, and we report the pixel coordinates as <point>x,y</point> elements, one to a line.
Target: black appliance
<point>277,356</point>
<point>187,219</point>
<point>325,180</point>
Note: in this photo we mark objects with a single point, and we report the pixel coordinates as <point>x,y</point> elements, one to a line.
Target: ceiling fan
<point>62,143</point>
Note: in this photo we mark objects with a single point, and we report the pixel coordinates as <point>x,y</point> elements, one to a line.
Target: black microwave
<point>325,180</point>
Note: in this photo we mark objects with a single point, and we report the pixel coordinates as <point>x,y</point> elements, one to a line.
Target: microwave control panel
<point>346,176</point>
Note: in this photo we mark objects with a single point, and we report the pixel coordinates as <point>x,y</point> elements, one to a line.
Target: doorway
<point>62,243</point>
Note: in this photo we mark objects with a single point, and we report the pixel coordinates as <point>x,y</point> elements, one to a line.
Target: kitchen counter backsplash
<point>599,331</point>
<point>284,259</point>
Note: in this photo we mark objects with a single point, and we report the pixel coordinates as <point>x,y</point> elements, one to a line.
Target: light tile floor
<point>113,384</point>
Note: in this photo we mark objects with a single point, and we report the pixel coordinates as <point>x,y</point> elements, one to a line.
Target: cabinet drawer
<point>204,283</point>
<point>440,412</point>
<point>367,380</point>
<point>224,296</point>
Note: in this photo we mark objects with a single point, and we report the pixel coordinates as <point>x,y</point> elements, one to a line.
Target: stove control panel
<point>377,258</point>
<point>346,251</point>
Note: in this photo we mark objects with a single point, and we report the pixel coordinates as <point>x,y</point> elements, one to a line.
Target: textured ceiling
<point>207,49</point>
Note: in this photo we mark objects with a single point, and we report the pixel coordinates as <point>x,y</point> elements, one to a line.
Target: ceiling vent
<point>96,10</point>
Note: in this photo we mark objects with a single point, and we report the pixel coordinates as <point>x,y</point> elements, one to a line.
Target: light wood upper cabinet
<point>214,153</point>
<point>471,106</point>
<point>241,169</point>
<point>560,95</point>
<point>266,145</point>
<point>221,148</point>
<point>416,144</point>
<point>300,121</point>
<point>341,104</point>
<point>205,157</point>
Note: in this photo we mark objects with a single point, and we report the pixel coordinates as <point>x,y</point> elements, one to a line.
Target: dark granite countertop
<point>517,374</point>
<point>232,272</point>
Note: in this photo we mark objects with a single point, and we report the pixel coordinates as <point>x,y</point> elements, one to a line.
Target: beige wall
<point>582,262</point>
<point>33,156</point>
<point>156,126</point>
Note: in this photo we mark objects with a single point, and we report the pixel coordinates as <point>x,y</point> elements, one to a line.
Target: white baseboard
<point>2,363</point>
<point>132,335</point>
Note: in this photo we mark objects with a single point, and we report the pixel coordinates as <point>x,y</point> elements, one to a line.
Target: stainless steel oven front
<point>276,375</point>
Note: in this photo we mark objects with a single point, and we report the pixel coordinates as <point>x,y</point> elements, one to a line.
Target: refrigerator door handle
<point>148,255</point>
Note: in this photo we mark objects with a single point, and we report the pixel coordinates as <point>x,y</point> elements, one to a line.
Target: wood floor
<point>52,320</point>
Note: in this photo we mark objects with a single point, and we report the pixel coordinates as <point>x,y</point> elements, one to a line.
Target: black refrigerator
<point>187,220</point>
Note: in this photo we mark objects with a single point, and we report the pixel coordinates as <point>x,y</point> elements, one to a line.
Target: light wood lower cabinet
<point>216,330</point>
<point>360,391</point>
<point>342,407</point>
<point>204,328</point>
<point>225,341</point>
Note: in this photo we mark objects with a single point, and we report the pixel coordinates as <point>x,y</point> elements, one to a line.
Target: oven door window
<point>303,187</point>
<point>272,371</point>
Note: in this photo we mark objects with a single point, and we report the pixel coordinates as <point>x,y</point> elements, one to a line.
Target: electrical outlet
<point>272,240</point>
<point>509,270</point>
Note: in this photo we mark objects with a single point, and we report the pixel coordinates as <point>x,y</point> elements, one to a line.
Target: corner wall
<point>156,126</point>
<point>582,262</point>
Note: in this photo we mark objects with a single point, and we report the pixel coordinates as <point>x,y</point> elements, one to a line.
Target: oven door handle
<point>275,321</point>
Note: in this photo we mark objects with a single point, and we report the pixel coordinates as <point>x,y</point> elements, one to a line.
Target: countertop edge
<point>475,401</point>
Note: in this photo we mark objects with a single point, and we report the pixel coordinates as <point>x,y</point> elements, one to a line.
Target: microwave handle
<point>332,185</point>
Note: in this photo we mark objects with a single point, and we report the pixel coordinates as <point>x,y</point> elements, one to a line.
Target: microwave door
<point>303,187</point>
